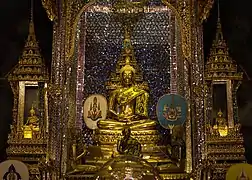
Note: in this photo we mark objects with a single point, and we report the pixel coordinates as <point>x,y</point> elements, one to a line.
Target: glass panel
<point>31,104</point>
<point>219,99</point>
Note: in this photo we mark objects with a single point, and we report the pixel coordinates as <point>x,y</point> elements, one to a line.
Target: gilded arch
<point>184,30</point>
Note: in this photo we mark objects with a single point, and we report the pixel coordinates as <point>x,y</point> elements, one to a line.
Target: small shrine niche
<point>222,81</point>
<point>30,106</point>
<point>223,141</point>
<point>28,79</point>
<point>29,85</point>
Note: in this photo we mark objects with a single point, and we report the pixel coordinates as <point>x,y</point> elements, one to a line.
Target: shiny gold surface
<point>223,141</point>
<point>50,7</point>
<point>143,129</point>
<point>220,65</point>
<point>128,102</point>
<point>30,66</point>
<point>31,125</point>
<point>128,145</point>
<point>182,10</point>
<point>204,9</point>
<point>230,104</point>
<point>128,110</point>
<point>28,139</point>
<point>186,8</point>
<point>221,125</point>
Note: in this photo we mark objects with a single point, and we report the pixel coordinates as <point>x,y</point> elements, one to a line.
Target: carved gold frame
<point>230,111</point>
<point>21,103</point>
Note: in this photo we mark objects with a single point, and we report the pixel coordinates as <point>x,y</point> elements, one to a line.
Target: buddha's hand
<point>125,117</point>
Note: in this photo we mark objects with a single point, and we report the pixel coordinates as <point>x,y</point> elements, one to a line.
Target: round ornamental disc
<point>171,110</point>
<point>95,109</point>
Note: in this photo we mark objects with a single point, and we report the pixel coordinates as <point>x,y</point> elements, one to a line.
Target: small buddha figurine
<point>32,119</point>
<point>128,102</point>
<point>94,113</point>
<point>128,145</point>
<point>221,124</point>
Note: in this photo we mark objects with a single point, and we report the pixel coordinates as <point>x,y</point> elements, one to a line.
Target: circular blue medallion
<point>171,110</point>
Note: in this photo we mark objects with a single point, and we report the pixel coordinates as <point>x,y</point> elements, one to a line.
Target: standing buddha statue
<point>128,102</point>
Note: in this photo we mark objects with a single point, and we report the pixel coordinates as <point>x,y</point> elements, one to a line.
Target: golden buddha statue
<point>32,124</point>
<point>32,119</point>
<point>128,145</point>
<point>127,130</point>
<point>128,103</point>
<point>221,124</point>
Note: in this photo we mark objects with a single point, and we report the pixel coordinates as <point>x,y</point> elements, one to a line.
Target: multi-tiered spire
<point>223,141</point>
<point>30,66</point>
<point>219,63</point>
<point>127,59</point>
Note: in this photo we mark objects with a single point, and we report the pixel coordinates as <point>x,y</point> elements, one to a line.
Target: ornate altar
<point>224,142</point>
<point>28,137</point>
<point>89,57</point>
<point>132,64</point>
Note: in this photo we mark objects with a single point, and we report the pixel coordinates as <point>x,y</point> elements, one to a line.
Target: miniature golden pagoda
<point>28,79</point>
<point>224,142</point>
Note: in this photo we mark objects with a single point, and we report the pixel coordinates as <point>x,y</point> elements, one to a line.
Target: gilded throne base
<point>153,153</point>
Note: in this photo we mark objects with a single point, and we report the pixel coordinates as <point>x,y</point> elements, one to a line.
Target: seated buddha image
<point>128,102</point>
<point>221,124</point>
<point>94,112</point>
<point>128,145</point>
<point>33,120</point>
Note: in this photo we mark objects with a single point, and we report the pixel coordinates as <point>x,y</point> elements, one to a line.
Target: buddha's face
<point>32,112</point>
<point>127,77</point>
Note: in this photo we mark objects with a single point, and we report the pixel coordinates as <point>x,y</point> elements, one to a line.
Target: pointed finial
<point>31,25</point>
<point>31,65</point>
<point>127,46</point>
<point>219,64</point>
<point>218,9</point>
<point>31,15</point>
<point>219,35</point>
